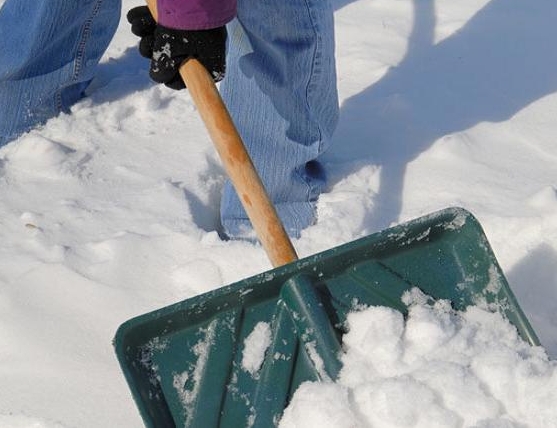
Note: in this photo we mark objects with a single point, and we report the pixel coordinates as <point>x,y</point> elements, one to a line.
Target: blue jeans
<point>281,91</point>
<point>49,50</point>
<point>280,86</point>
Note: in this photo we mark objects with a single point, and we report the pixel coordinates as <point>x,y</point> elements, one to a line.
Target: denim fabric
<point>280,86</point>
<point>49,50</point>
<point>280,89</point>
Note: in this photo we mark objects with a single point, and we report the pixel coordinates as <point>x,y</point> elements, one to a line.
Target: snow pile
<point>438,368</point>
<point>255,346</point>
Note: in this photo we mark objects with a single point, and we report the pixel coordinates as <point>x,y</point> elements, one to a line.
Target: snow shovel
<point>186,363</point>
<point>191,364</point>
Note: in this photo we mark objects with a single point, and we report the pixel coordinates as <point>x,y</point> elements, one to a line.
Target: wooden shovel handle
<point>236,160</point>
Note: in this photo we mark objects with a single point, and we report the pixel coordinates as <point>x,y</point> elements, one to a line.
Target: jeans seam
<point>79,52</point>
<point>58,100</point>
<point>85,34</point>
<point>314,70</point>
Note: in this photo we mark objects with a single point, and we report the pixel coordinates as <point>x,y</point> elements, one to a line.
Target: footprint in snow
<point>196,277</point>
<point>544,199</point>
<point>38,156</point>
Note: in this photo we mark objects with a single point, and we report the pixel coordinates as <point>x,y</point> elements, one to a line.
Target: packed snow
<point>112,211</point>
<point>255,347</point>
<point>438,368</point>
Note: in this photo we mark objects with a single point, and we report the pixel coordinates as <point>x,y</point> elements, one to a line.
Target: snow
<point>439,368</point>
<point>255,346</point>
<point>112,211</point>
<point>180,380</point>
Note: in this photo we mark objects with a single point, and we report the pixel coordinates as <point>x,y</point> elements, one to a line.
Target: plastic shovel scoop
<point>233,357</point>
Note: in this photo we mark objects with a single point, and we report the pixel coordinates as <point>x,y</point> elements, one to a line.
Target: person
<point>49,50</point>
<point>279,78</point>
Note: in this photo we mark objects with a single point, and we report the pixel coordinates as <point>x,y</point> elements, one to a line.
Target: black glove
<point>143,25</point>
<point>169,48</point>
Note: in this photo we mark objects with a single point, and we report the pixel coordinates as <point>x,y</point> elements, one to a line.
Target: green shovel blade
<point>184,363</point>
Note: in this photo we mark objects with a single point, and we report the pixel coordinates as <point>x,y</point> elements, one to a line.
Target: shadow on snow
<point>501,61</point>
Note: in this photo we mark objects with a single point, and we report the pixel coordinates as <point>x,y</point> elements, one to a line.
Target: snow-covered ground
<point>112,211</point>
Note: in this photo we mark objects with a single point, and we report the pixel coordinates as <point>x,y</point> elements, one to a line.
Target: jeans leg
<point>49,50</point>
<point>280,89</point>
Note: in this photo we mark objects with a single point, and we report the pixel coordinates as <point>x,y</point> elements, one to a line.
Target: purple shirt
<point>195,14</point>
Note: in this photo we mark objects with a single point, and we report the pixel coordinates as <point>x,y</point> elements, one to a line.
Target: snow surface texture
<point>112,211</point>
<point>255,346</point>
<point>436,369</point>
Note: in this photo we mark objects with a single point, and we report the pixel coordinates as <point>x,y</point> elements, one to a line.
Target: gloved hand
<point>168,48</point>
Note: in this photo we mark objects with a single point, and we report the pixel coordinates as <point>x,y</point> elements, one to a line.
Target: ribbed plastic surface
<point>183,363</point>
